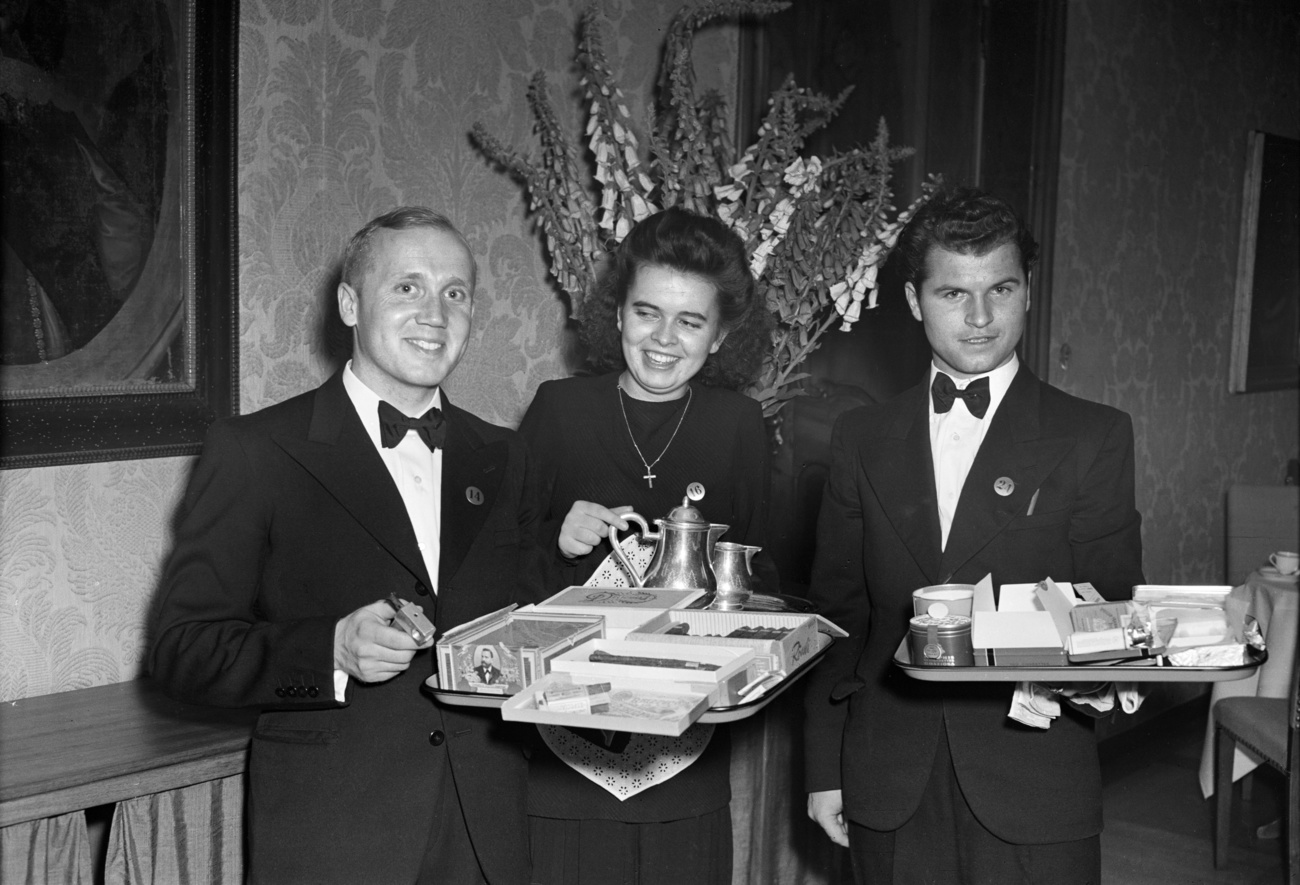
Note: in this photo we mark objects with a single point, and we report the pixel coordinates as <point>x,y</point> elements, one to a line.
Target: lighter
<point>410,617</point>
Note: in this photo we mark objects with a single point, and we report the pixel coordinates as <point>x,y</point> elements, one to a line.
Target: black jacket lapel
<point>901,471</point>
<point>340,455</point>
<point>472,472</point>
<point>1012,450</point>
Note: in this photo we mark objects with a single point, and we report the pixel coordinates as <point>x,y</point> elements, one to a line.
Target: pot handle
<point>638,579</point>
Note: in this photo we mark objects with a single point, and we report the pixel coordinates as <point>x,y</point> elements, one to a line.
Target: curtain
<point>53,849</point>
<point>179,837</point>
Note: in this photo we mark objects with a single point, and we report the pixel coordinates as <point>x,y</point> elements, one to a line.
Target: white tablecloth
<point>1274,601</point>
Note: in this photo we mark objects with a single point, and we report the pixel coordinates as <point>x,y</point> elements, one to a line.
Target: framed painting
<point>1266,306</point>
<point>117,305</point>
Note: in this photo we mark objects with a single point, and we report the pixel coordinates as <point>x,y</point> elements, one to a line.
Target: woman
<point>676,328</point>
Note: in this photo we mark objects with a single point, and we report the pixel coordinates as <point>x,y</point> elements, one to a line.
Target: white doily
<point>647,759</point>
<point>610,573</point>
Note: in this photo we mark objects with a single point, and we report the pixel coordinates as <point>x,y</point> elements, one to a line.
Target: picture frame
<point>120,158</point>
<point>1266,303</point>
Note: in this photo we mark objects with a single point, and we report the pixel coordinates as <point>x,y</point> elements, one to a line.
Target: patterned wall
<point>346,109</point>
<point>1159,97</point>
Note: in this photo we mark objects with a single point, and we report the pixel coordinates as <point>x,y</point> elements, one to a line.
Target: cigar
<point>604,657</point>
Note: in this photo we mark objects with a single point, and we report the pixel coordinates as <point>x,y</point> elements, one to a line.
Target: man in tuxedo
<point>299,520</point>
<point>981,469</point>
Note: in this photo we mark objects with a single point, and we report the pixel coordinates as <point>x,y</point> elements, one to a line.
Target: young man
<point>299,520</point>
<point>980,469</point>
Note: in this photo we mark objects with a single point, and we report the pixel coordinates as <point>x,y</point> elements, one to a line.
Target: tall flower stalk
<point>817,229</point>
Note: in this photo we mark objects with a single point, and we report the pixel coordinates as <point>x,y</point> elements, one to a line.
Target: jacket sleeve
<point>211,643</point>
<point>838,589</point>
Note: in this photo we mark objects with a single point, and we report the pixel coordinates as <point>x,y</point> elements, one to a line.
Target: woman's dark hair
<point>967,221</point>
<point>702,247</point>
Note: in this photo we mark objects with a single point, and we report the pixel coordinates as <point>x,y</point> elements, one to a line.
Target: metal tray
<point>1124,671</point>
<point>714,715</point>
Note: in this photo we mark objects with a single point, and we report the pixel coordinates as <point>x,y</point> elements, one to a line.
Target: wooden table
<point>78,749</point>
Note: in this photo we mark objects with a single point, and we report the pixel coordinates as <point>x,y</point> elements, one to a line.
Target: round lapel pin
<point>473,495</point>
<point>1004,486</point>
<point>695,491</point>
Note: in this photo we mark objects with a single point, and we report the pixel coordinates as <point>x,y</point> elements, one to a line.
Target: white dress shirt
<point>417,473</point>
<point>955,438</point>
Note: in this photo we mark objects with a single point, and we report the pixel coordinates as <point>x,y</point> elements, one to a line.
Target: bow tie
<point>393,426</point>
<point>945,392</point>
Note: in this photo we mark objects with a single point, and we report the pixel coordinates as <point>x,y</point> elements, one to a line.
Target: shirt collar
<point>999,383</point>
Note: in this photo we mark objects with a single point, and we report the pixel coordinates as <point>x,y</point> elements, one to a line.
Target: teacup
<point>1285,561</point>
<point>954,599</point>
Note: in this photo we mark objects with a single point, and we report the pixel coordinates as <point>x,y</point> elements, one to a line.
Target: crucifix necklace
<point>649,468</point>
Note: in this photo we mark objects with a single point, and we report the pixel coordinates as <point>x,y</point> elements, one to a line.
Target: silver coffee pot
<point>683,557</point>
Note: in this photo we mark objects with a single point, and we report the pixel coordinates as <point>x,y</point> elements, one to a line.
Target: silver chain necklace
<point>649,468</point>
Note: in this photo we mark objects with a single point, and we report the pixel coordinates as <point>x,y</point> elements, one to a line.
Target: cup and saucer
<point>1282,566</point>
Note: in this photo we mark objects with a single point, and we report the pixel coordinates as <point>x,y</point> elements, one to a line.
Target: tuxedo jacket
<point>872,731</point>
<point>290,522</point>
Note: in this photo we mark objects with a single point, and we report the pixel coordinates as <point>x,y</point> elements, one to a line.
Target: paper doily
<point>610,573</point>
<point>646,760</point>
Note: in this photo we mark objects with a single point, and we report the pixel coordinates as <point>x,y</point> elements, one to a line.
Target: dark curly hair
<point>703,247</point>
<point>967,221</point>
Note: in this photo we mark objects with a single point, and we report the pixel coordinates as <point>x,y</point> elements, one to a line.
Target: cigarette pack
<point>507,650</point>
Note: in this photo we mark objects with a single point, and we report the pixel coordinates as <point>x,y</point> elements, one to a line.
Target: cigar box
<point>772,653</point>
<point>503,652</point>
<point>720,671</point>
<point>646,706</point>
<point>623,608</point>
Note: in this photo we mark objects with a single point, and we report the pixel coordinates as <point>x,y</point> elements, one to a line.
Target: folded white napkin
<point>1036,705</point>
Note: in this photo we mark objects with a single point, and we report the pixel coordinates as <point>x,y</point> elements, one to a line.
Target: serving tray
<point>1123,671</point>
<point>758,698</point>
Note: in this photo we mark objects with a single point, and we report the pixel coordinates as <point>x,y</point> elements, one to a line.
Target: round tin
<point>941,642</point>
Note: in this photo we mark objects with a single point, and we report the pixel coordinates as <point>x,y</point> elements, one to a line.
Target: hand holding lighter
<point>410,618</point>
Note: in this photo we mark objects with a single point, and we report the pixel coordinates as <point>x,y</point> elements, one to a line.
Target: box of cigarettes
<point>623,608</point>
<point>508,650</point>
<point>646,706</point>
<point>781,642</point>
<point>593,698</point>
<point>721,671</point>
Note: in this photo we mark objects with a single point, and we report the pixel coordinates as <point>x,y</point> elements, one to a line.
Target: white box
<point>735,666</point>
<point>624,608</point>
<point>636,705</point>
<point>782,654</point>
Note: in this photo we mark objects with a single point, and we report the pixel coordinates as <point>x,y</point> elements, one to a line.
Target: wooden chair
<point>1270,727</point>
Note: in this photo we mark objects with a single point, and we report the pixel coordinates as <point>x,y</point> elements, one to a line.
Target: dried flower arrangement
<point>817,229</point>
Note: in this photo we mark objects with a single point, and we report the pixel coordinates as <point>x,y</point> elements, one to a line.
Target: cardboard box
<point>781,654</point>
<point>636,705</point>
<point>1033,633</point>
<point>623,608</point>
<point>733,667</point>
<point>507,650</point>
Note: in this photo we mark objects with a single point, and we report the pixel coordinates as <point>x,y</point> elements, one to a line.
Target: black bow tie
<point>393,426</point>
<point>945,393</point>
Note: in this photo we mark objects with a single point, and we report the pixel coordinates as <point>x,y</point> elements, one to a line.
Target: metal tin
<point>941,642</point>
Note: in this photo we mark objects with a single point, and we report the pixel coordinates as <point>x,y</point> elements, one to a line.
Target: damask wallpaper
<point>346,109</point>
<point>349,107</point>
<point>1159,96</point>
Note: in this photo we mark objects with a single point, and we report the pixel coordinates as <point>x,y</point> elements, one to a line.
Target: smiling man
<point>982,469</point>
<point>299,520</point>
